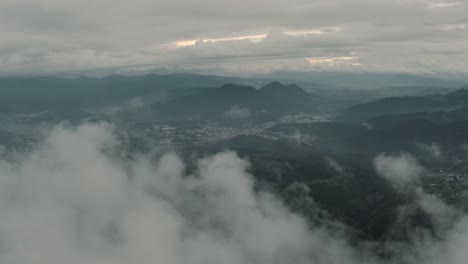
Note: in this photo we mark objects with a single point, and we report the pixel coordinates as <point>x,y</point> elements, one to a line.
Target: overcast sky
<point>232,37</point>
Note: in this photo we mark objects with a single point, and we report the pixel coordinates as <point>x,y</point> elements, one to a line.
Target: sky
<point>55,37</point>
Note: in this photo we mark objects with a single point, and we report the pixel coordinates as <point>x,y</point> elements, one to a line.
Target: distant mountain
<point>291,96</point>
<point>388,121</point>
<point>62,94</point>
<point>363,80</point>
<point>407,135</point>
<point>406,104</point>
<point>236,102</point>
<point>149,97</point>
<point>278,89</point>
<point>413,90</point>
<point>229,100</point>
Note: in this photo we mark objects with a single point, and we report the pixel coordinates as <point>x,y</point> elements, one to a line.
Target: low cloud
<point>335,165</point>
<point>73,199</point>
<point>367,125</point>
<point>433,149</point>
<point>402,170</point>
<point>447,243</point>
<point>237,112</point>
<point>299,138</point>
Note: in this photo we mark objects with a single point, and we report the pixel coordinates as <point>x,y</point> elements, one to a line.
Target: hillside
<point>406,104</point>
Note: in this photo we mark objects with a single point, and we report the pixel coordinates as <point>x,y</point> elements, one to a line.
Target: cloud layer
<point>73,200</point>
<point>63,37</point>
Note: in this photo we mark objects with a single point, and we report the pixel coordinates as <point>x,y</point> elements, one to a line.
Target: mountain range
<point>406,104</point>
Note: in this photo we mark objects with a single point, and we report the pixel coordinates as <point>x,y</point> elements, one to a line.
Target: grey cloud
<point>54,37</point>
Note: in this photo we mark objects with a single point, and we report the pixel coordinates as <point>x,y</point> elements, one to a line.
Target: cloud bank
<point>246,37</point>
<point>73,199</point>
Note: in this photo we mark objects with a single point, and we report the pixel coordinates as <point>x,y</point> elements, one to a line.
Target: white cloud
<point>72,199</point>
<point>450,224</point>
<point>403,170</point>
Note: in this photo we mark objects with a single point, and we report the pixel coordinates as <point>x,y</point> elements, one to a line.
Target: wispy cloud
<point>348,60</point>
<point>442,4</point>
<point>452,27</point>
<point>255,38</point>
<point>191,42</point>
